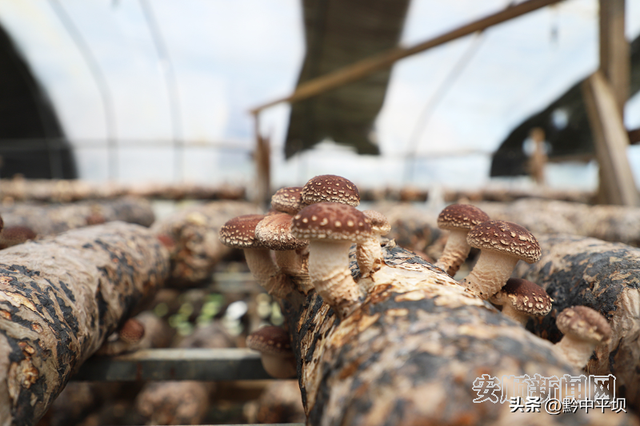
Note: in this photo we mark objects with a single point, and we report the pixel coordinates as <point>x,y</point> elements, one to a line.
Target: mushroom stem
<point>369,256</point>
<point>455,252</point>
<point>295,265</point>
<point>290,262</point>
<point>260,264</point>
<point>577,352</point>
<point>330,275</point>
<point>509,311</point>
<point>490,273</point>
<point>266,272</point>
<point>278,366</point>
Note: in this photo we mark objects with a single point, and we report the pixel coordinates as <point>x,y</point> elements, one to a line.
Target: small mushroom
<point>95,218</point>
<point>369,252</point>
<point>502,244</point>
<point>287,200</point>
<point>14,235</point>
<point>330,229</point>
<point>584,329</point>
<point>276,355</point>
<point>274,232</point>
<point>521,299</point>
<point>330,188</point>
<point>458,219</point>
<point>125,340</point>
<point>239,232</point>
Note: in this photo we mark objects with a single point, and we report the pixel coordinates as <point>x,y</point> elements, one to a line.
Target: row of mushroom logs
<point>312,228</point>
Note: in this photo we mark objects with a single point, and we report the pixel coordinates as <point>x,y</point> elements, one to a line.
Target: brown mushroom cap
<point>583,323</point>
<point>461,216</point>
<point>527,297</point>
<point>1,224</point>
<point>132,331</point>
<point>505,237</point>
<point>270,340</point>
<point>379,223</point>
<point>330,188</point>
<point>288,200</point>
<point>14,235</point>
<point>331,221</point>
<point>274,232</point>
<point>239,232</point>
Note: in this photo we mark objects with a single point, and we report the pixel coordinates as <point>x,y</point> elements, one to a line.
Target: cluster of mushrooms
<point>311,230</point>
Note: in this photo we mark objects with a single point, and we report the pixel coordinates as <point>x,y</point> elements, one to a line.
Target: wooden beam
<point>614,49</point>
<point>611,141</point>
<point>262,160</point>
<point>634,136</point>
<point>386,59</point>
<point>175,364</point>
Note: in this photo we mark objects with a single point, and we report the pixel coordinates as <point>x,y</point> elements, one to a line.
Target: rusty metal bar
<point>175,364</point>
<point>386,59</point>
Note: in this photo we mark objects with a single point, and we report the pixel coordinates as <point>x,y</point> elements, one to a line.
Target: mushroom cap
<point>461,216</point>
<point>331,221</point>
<point>132,331</point>
<point>1,223</point>
<point>274,232</point>
<point>287,200</point>
<point>330,188</point>
<point>17,234</point>
<point>505,237</point>
<point>527,297</point>
<point>379,223</point>
<point>583,323</point>
<point>95,219</point>
<point>271,340</point>
<point>240,232</point>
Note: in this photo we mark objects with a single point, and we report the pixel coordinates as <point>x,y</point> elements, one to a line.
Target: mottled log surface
<point>606,222</point>
<point>60,297</point>
<point>411,353</point>
<point>194,231</point>
<point>603,276</point>
<point>414,228</point>
<point>52,190</point>
<point>51,219</point>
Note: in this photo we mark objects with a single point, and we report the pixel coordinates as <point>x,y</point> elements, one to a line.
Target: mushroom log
<point>192,237</point>
<point>51,219</point>
<point>418,349</point>
<point>60,297</point>
<point>603,276</point>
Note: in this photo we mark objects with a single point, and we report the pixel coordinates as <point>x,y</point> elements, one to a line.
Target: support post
<point>538,159</point>
<point>611,141</point>
<point>614,50</point>
<point>262,159</point>
<point>605,96</point>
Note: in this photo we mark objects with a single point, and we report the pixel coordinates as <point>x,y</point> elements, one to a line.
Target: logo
<point>568,394</point>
